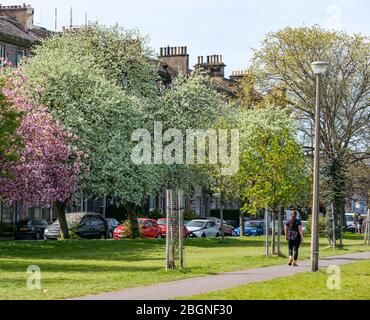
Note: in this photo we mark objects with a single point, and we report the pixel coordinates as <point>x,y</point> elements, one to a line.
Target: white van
<point>350,220</point>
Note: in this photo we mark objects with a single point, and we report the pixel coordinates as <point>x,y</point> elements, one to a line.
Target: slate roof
<point>13,32</point>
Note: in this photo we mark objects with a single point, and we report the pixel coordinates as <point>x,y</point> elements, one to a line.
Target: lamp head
<point>319,67</point>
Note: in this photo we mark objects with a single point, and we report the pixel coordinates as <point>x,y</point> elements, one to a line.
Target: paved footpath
<point>199,285</point>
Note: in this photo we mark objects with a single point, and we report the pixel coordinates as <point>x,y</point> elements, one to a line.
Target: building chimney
<point>176,58</point>
<point>237,75</point>
<point>214,66</point>
<point>23,14</point>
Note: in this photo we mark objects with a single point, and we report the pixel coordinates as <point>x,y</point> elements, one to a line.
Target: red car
<point>163,228</point>
<point>148,227</point>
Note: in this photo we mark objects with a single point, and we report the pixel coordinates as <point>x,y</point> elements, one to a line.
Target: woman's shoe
<point>295,264</point>
<point>290,263</point>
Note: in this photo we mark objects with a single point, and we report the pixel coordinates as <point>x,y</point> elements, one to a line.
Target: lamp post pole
<point>316,168</point>
<point>318,68</point>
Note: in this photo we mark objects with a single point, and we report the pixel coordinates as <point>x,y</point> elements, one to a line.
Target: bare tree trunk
<point>273,235</point>
<point>367,232</point>
<point>266,232</point>
<point>242,224</point>
<point>132,220</point>
<point>334,227</point>
<point>222,217</point>
<point>59,208</point>
<point>281,212</point>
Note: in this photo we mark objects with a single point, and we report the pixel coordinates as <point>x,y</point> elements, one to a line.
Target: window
<point>196,224</point>
<point>2,51</point>
<point>44,222</point>
<point>20,55</point>
<point>148,223</point>
<point>86,221</point>
<point>211,224</point>
<point>94,221</point>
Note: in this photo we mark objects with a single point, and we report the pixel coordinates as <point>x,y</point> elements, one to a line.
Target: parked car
<point>228,229</point>
<point>350,219</point>
<point>162,223</point>
<point>233,223</point>
<point>251,228</point>
<point>148,227</point>
<point>53,220</point>
<point>30,229</point>
<point>276,227</point>
<point>304,226</point>
<point>87,225</point>
<point>351,228</point>
<point>203,229</point>
<point>112,225</point>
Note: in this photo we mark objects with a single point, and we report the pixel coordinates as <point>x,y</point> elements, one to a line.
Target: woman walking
<point>294,235</point>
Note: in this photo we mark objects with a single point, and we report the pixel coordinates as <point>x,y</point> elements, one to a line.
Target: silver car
<point>203,229</point>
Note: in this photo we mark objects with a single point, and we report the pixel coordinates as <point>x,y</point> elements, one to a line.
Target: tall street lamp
<point>318,68</point>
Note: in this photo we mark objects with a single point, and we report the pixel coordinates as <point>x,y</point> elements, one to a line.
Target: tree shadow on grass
<point>22,266</point>
<point>228,242</point>
<point>84,250</point>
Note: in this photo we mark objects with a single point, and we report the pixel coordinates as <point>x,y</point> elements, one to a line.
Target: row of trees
<point>96,86</point>
<point>281,73</point>
<point>68,115</point>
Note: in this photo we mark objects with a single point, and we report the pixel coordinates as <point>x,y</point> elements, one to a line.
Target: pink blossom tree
<point>49,166</point>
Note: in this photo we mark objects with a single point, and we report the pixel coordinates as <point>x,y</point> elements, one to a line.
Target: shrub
<point>6,228</point>
<point>322,226</point>
<point>127,230</point>
<point>73,233</point>
<point>229,214</point>
<point>155,214</point>
<point>117,212</point>
<point>189,215</point>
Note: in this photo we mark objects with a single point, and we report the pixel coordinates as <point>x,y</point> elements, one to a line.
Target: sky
<point>228,27</point>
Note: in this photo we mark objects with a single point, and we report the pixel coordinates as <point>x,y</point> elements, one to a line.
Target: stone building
<point>18,35</point>
<point>175,60</point>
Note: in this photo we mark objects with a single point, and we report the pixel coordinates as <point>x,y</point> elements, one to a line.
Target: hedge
<point>229,214</point>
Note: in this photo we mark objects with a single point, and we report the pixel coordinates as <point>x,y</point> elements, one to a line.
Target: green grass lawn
<point>77,268</point>
<point>355,285</point>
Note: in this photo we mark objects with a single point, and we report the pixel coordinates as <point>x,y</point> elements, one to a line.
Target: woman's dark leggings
<point>294,246</point>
